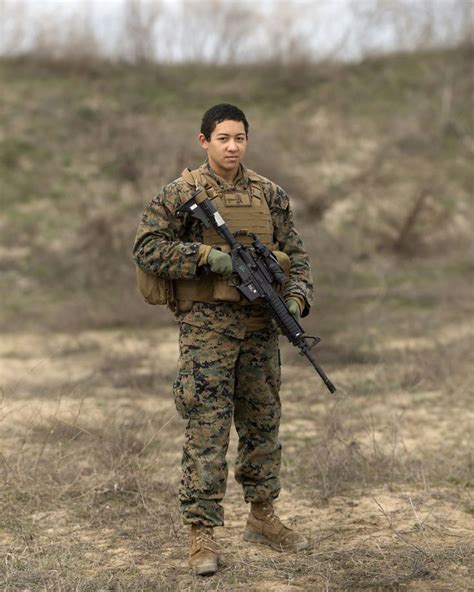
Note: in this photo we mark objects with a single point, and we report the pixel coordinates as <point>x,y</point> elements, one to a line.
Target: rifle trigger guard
<point>311,342</point>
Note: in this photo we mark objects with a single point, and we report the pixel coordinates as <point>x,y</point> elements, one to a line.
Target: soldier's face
<point>226,148</point>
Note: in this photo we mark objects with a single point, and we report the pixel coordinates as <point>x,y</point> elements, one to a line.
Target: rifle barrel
<point>307,353</point>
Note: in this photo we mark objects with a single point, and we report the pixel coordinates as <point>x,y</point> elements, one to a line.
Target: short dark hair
<point>220,113</point>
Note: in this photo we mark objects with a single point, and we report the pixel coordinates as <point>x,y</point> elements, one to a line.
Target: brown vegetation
<point>380,477</point>
<point>377,158</point>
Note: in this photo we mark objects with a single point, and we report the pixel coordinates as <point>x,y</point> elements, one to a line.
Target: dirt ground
<point>381,481</point>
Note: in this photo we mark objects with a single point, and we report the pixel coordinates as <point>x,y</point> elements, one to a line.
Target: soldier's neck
<point>228,176</point>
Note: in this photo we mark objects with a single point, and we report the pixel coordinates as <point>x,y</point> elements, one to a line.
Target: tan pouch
<point>154,290</point>
<point>224,291</point>
<point>284,261</point>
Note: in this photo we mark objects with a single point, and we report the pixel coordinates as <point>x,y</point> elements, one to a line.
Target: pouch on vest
<point>224,291</point>
<point>155,290</point>
<point>284,261</point>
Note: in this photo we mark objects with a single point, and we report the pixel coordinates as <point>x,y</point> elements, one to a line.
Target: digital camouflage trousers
<point>221,379</point>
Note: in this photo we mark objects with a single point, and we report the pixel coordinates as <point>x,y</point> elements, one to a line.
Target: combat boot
<point>202,550</point>
<point>264,526</point>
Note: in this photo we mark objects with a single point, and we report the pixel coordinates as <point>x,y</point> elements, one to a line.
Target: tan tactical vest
<point>245,212</point>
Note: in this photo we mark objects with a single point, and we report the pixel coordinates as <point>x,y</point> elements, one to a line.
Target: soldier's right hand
<point>220,262</point>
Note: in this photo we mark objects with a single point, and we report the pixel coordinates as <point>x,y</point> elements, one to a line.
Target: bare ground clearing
<point>380,480</point>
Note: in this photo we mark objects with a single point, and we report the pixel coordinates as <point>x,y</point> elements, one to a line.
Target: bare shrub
<point>443,364</point>
<point>14,18</point>
<point>218,32</point>
<point>410,233</point>
<point>72,40</point>
<point>289,33</point>
<point>406,26</point>
<point>140,20</point>
<point>70,457</point>
<point>341,460</point>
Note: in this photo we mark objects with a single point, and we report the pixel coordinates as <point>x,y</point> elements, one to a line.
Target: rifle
<point>257,274</point>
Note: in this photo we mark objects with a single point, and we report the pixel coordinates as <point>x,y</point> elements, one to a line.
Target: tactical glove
<point>294,307</point>
<point>220,262</point>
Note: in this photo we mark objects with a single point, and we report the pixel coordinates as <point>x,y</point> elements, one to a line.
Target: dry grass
<point>379,477</point>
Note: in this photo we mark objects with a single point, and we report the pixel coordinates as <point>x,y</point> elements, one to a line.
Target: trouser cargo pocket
<point>184,390</point>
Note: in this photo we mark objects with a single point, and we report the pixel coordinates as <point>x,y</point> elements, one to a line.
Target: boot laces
<point>205,540</point>
<point>269,513</point>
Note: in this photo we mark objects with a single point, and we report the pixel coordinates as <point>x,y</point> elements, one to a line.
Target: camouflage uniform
<point>228,370</point>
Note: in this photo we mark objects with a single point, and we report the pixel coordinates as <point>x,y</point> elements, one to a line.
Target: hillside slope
<point>376,154</point>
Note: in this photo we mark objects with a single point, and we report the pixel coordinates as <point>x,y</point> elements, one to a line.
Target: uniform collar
<point>240,182</point>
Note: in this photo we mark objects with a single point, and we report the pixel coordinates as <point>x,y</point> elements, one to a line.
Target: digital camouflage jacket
<point>168,246</point>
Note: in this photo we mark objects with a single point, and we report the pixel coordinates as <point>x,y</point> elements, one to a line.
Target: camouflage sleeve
<point>160,247</point>
<point>300,281</point>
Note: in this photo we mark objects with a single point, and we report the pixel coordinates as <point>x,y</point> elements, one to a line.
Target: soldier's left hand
<point>220,263</point>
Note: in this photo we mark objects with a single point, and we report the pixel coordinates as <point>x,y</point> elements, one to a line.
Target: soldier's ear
<point>202,140</point>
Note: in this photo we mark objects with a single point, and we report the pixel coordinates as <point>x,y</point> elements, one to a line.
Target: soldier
<point>229,364</point>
